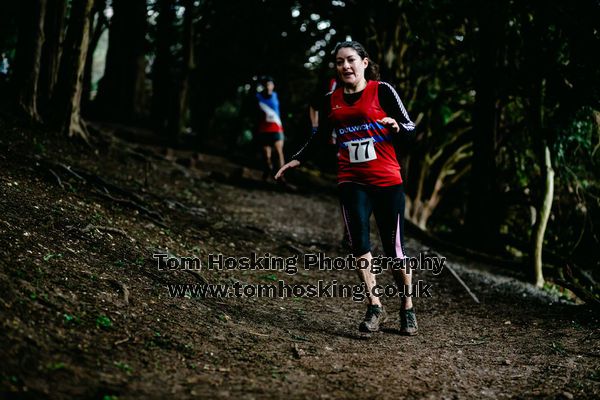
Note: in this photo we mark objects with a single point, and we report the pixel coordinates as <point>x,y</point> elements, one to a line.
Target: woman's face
<point>350,67</point>
<point>269,87</point>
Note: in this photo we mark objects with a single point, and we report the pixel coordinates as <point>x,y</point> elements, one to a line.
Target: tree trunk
<point>450,172</point>
<point>29,52</point>
<point>187,67</point>
<point>69,85</point>
<point>96,31</point>
<point>54,29</point>
<point>546,180</point>
<point>482,219</point>
<point>121,93</point>
<point>544,214</point>
<point>162,70</point>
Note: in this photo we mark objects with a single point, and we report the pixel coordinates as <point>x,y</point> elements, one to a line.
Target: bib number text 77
<point>361,150</point>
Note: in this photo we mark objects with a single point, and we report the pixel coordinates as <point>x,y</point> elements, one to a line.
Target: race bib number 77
<point>361,150</point>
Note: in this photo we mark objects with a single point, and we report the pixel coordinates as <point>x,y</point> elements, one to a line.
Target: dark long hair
<point>372,70</point>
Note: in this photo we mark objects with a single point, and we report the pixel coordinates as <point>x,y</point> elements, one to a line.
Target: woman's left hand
<point>391,122</point>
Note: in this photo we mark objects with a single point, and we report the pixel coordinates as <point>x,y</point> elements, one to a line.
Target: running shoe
<point>408,322</point>
<point>373,317</point>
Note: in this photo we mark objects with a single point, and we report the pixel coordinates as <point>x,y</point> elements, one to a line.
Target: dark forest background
<point>505,94</point>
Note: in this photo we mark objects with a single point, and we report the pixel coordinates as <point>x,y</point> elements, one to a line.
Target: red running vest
<point>366,154</point>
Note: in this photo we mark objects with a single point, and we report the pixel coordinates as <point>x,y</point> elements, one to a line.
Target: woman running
<point>269,127</point>
<point>365,114</point>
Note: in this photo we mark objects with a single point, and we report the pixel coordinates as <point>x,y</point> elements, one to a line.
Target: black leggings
<point>387,203</point>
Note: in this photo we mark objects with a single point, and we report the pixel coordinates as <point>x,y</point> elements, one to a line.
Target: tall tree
<point>537,68</point>
<point>483,214</point>
<point>121,93</point>
<point>29,52</point>
<point>172,72</point>
<point>98,25</point>
<point>54,28</point>
<point>69,85</point>
<point>162,68</point>
<point>187,67</point>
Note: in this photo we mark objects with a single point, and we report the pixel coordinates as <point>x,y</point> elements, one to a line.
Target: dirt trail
<point>86,311</point>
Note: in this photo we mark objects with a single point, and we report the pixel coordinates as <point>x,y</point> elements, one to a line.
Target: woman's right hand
<point>291,164</point>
